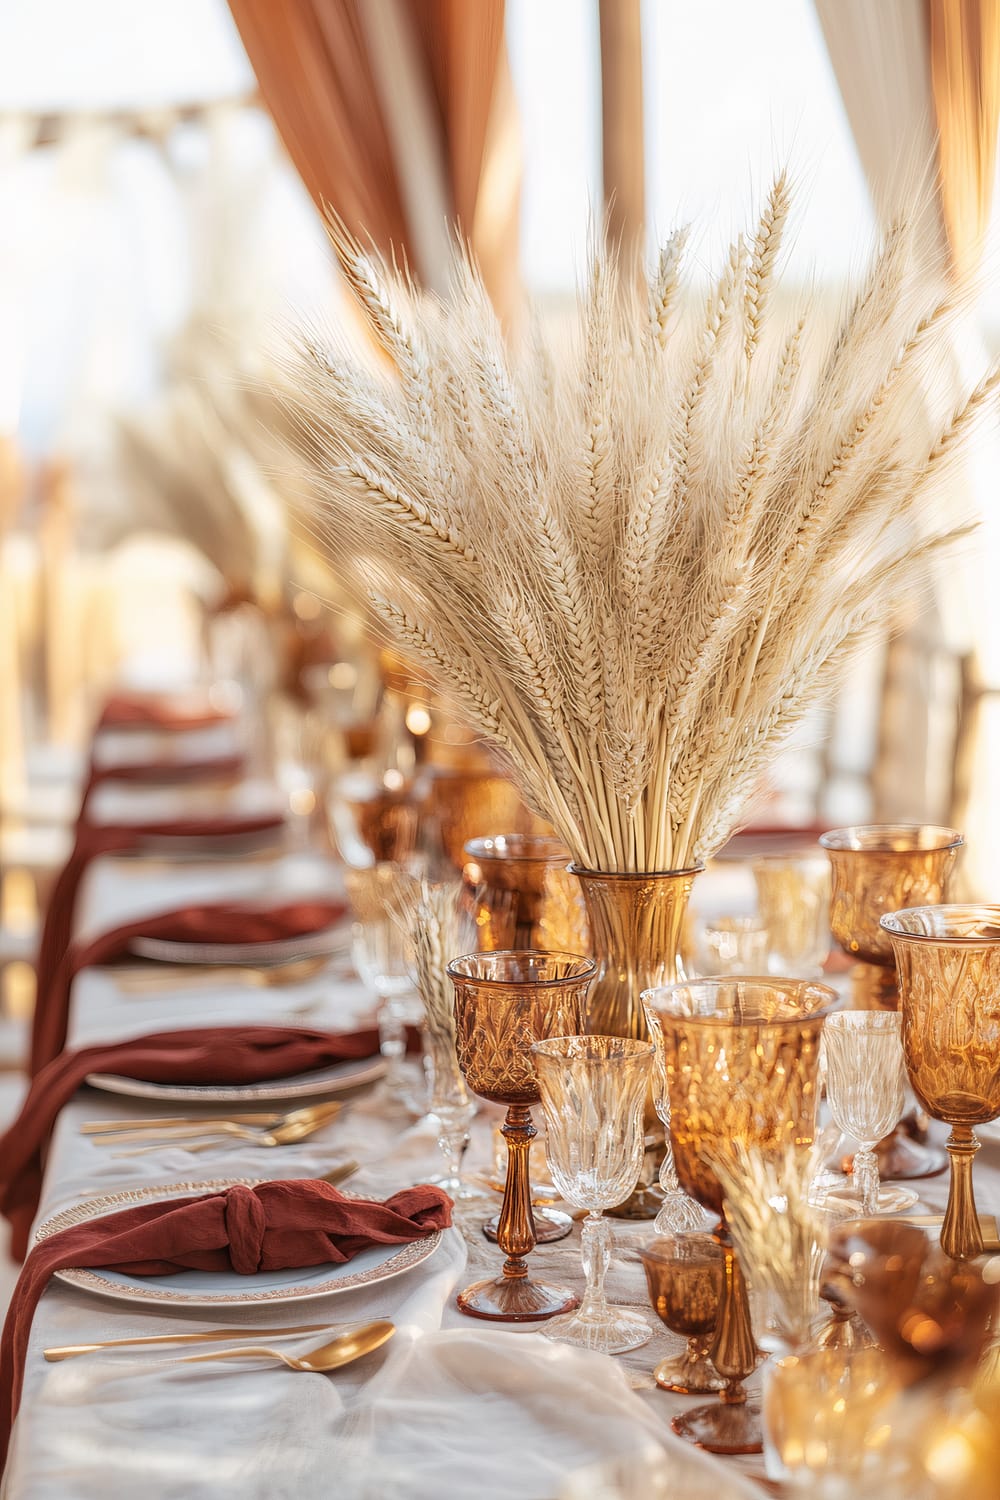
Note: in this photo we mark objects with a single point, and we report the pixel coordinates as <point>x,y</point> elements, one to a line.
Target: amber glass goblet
<point>875,869</point>
<point>880,868</point>
<point>948,959</point>
<point>523,894</point>
<point>504,1004</point>
<point>684,1276</point>
<point>741,1058</point>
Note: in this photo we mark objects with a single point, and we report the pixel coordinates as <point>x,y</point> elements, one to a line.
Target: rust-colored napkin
<point>165,772</point>
<point>159,711</point>
<point>217,1054</point>
<point>271,1227</point>
<point>55,963</point>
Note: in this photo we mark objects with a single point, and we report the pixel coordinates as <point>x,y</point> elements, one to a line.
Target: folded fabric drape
<point>402,119</point>
<point>271,1227</point>
<point>56,965</point>
<point>218,1054</point>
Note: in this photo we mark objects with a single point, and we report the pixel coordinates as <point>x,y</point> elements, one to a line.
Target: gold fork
<point>121,1132</point>
<point>282,1135</point>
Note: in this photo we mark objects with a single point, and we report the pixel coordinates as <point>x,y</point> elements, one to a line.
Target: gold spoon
<point>354,1344</point>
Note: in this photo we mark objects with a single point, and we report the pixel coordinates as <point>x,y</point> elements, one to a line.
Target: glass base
<point>461,1189</point>
<point>722,1428</point>
<point>516,1300</point>
<point>616,1333</point>
<point>689,1374</point>
<point>550,1224</point>
<point>891,1200</point>
<point>644,1203</point>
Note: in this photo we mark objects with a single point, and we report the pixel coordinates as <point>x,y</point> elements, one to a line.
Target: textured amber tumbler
<point>741,1058</point>
<point>505,1002</point>
<point>523,895</point>
<point>948,959</point>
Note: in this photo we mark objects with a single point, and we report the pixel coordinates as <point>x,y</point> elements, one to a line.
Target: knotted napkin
<point>60,959</point>
<point>217,1054</point>
<point>274,1226</point>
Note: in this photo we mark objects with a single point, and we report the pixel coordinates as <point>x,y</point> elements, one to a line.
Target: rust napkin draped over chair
<point>60,959</point>
<point>271,1227</point>
<point>218,1054</point>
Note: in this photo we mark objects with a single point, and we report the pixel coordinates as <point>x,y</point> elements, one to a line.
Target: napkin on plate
<point>160,711</point>
<point>60,959</point>
<point>217,1054</point>
<point>271,1227</point>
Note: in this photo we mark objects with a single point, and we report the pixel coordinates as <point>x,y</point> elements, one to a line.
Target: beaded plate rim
<point>404,1258</point>
<point>302,1086</point>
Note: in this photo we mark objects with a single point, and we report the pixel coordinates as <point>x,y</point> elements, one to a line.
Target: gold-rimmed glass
<point>741,1058</point>
<point>504,1004</point>
<point>948,960</point>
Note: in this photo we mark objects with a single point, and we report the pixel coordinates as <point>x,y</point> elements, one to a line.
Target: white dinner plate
<point>335,939</point>
<point>227,1288</point>
<point>316,1085</point>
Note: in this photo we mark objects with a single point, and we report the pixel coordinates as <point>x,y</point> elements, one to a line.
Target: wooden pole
<point>621,113</point>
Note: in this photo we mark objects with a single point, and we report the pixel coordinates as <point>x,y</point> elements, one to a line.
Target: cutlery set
<point>204,1135</point>
<point>261,1128</point>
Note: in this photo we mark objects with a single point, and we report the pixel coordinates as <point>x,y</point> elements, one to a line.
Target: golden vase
<point>636,928</point>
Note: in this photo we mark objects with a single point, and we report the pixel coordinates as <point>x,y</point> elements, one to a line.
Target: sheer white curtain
<point>882,56</point>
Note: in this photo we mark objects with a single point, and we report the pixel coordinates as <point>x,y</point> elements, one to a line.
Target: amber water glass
<point>684,1277</point>
<point>741,1058</point>
<point>504,1004</point>
<point>948,958</point>
<point>593,1091</point>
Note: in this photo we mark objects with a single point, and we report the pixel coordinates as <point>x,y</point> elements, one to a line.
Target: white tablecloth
<point>450,1408</point>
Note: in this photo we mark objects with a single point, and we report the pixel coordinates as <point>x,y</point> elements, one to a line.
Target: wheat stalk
<point>636,557</point>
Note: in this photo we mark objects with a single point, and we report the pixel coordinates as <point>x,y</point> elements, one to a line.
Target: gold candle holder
<point>948,958</point>
<point>504,1003</point>
<point>742,1063</point>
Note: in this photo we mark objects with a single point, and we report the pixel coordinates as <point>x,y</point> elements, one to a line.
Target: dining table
<point>450,1406</point>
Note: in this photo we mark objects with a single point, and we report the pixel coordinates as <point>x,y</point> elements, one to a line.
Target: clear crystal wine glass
<point>379,952</point>
<point>863,1055</point>
<point>593,1090</point>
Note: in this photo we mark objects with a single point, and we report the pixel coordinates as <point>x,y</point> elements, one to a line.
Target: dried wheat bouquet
<point>634,565</point>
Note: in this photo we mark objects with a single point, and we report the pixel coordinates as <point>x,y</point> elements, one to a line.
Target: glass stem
<point>961,1236</point>
<point>867,1180</point>
<point>453,1141</point>
<point>595,1252</point>
<point>391,1044</point>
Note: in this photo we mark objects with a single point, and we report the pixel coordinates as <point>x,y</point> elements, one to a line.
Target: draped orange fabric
<point>324,83</point>
<point>965,78</point>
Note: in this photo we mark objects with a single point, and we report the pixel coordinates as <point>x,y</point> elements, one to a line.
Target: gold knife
<point>100,1127</point>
